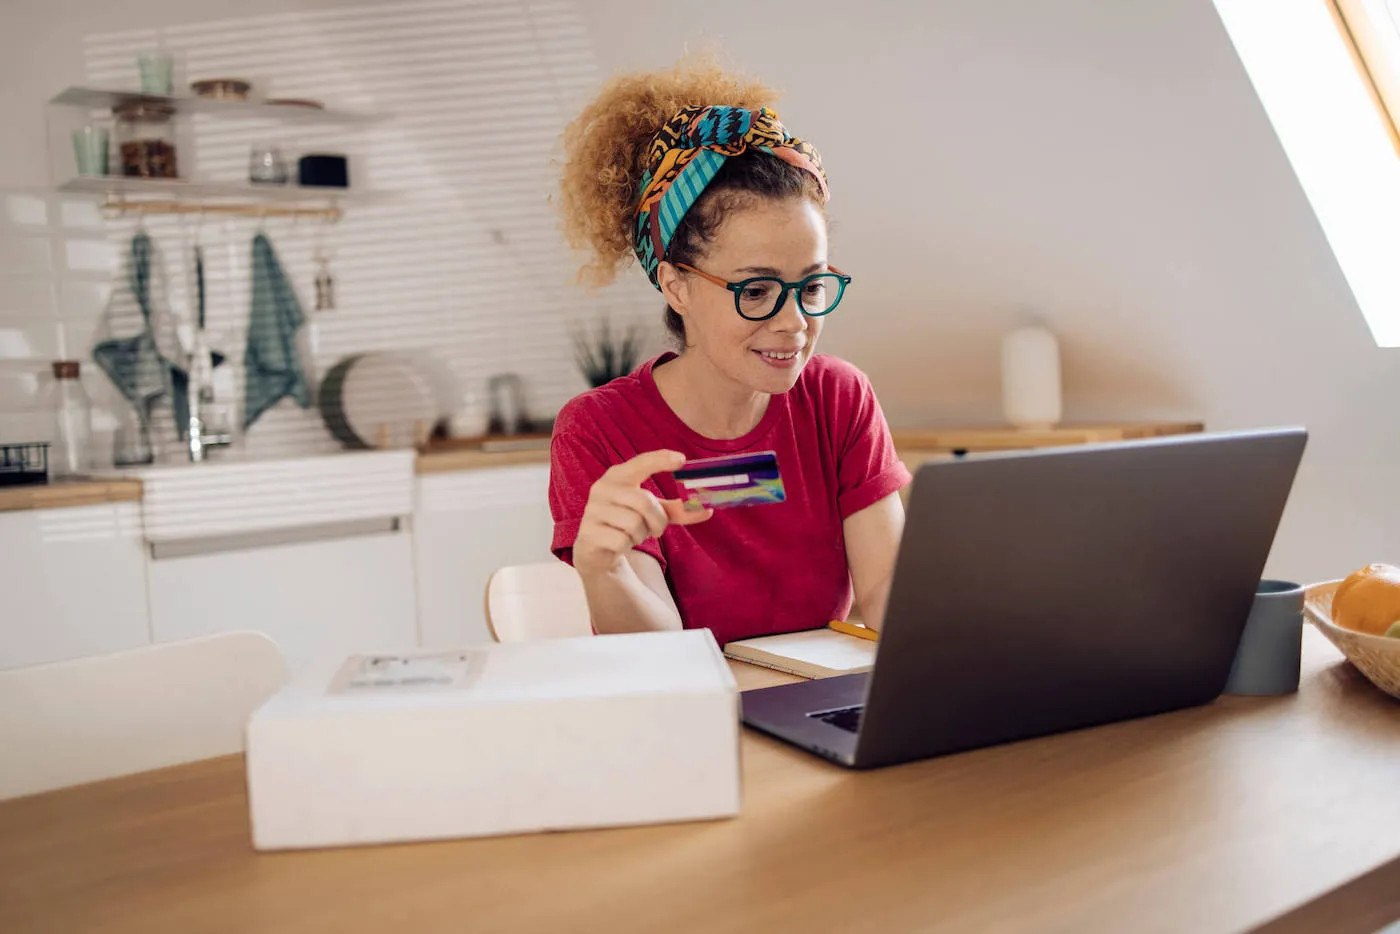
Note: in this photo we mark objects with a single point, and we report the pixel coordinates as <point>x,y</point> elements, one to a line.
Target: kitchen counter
<point>1004,438</point>
<point>908,441</point>
<point>431,462</point>
<point>64,493</point>
<point>913,444</point>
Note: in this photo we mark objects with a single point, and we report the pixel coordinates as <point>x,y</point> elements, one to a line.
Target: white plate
<point>386,399</point>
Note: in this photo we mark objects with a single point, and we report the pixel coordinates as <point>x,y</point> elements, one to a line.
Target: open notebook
<point>812,653</point>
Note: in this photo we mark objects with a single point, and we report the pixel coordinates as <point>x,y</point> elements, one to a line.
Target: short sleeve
<point>578,455</point>
<point>867,468</point>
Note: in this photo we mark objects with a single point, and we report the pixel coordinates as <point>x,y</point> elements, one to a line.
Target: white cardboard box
<point>495,739</point>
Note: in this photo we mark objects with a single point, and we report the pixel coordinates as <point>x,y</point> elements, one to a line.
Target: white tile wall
<point>53,283</point>
<point>458,254</point>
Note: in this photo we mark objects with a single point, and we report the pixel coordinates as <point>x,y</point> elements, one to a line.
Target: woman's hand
<point>621,515</point>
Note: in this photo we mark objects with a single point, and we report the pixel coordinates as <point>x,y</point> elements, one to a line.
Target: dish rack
<point>23,464</point>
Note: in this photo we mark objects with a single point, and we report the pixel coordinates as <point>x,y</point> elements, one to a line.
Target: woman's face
<point>785,239</point>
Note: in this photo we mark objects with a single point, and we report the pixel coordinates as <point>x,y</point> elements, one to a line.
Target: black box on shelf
<point>323,170</point>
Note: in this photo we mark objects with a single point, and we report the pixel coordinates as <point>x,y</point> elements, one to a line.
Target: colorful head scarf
<point>684,157</point>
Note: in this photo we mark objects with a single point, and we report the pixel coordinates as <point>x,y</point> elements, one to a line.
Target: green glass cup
<point>157,73</point>
<point>90,148</point>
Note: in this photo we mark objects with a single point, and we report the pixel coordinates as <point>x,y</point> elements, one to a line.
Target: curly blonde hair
<point>605,151</point>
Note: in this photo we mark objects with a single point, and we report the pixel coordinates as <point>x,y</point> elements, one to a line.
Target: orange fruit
<point>1369,600</point>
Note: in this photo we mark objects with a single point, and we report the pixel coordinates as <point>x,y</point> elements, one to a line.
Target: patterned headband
<point>684,157</point>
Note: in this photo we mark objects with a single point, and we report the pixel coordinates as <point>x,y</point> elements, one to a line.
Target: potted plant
<point>602,357</point>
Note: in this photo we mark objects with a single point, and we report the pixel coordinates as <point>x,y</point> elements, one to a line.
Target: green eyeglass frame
<point>795,288</point>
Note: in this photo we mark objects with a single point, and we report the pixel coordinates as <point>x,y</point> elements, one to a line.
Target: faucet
<point>200,442</point>
<point>199,439</point>
<point>200,397</point>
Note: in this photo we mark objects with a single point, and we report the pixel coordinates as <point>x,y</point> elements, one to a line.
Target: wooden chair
<point>78,721</point>
<point>536,601</point>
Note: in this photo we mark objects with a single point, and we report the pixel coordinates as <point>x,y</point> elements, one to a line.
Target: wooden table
<point>1211,819</point>
<point>1363,906</point>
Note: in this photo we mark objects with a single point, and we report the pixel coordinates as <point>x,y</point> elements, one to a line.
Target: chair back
<point>87,719</point>
<point>536,601</point>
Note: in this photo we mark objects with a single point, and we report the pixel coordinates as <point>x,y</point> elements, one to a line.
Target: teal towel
<point>134,362</point>
<point>137,346</point>
<point>271,363</point>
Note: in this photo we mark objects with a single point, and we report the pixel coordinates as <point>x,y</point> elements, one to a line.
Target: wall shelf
<point>109,98</point>
<point>178,196</point>
<point>126,195</point>
<point>114,186</point>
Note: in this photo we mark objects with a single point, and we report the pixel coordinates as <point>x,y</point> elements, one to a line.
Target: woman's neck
<point>710,403</point>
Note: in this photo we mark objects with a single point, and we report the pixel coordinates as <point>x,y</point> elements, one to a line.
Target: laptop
<point>1043,591</point>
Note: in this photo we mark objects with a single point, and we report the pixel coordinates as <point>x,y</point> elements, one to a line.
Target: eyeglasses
<point>762,297</point>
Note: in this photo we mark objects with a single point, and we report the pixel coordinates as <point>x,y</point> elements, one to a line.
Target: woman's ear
<point>674,287</point>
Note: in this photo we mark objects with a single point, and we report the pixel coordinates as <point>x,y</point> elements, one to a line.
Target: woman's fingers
<point>624,519</point>
<point>621,514</point>
<point>648,507</point>
<point>678,513</point>
<point>634,472</point>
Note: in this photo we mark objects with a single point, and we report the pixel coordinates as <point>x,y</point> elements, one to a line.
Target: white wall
<point>1104,164</point>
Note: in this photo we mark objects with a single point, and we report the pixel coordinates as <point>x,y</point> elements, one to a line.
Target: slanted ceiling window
<point>1323,93</point>
<point>1373,29</point>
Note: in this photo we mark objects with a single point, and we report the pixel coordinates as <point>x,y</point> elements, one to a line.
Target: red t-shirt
<point>750,570</point>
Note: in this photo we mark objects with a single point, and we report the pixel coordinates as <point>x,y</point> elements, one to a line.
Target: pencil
<point>854,629</point>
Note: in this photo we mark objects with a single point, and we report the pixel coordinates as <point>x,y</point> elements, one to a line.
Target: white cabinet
<point>319,553</point>
<point>72,583</point>
<point>351,591</point>
<point>466,524</point>
<point>311,551</point>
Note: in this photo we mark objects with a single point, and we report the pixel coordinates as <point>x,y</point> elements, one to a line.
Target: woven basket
<point>1376,657</point>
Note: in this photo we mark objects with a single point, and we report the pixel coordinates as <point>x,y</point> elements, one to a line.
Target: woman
<point>725,212</point>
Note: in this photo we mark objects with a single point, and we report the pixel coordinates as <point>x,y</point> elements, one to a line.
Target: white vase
<point>471,418</point>
<point>1030,378</point>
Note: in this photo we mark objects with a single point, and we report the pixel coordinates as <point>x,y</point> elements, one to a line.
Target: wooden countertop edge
<point>453,461</point>
<point>971,437</point>
<point>986,438</point>
<point>64,494</point>
<point>117,490</point>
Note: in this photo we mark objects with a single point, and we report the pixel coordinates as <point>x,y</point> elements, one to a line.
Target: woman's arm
<point>633,597</point>
<point>872,540</point>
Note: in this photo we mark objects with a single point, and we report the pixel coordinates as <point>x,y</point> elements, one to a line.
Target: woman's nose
<point>789,318</point>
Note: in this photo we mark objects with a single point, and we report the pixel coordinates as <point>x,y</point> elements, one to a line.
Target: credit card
<point>735,480</point>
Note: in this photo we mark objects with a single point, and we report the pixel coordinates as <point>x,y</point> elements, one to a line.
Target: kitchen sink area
<point>237,500</point>
<point>346,552</point>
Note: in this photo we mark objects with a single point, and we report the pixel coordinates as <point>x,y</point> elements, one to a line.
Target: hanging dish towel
<point>137,342</point>
<point>272,364</point>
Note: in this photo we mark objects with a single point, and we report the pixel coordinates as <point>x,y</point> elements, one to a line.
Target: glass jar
<point>266,166</point>
<point>131,441</point>
<point>71,454</point>
<point>146,140</point>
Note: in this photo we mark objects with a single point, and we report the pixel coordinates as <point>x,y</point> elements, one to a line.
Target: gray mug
<point>1271,649</point>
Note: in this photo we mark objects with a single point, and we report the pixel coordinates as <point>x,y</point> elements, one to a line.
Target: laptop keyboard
<point>846,718</point>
